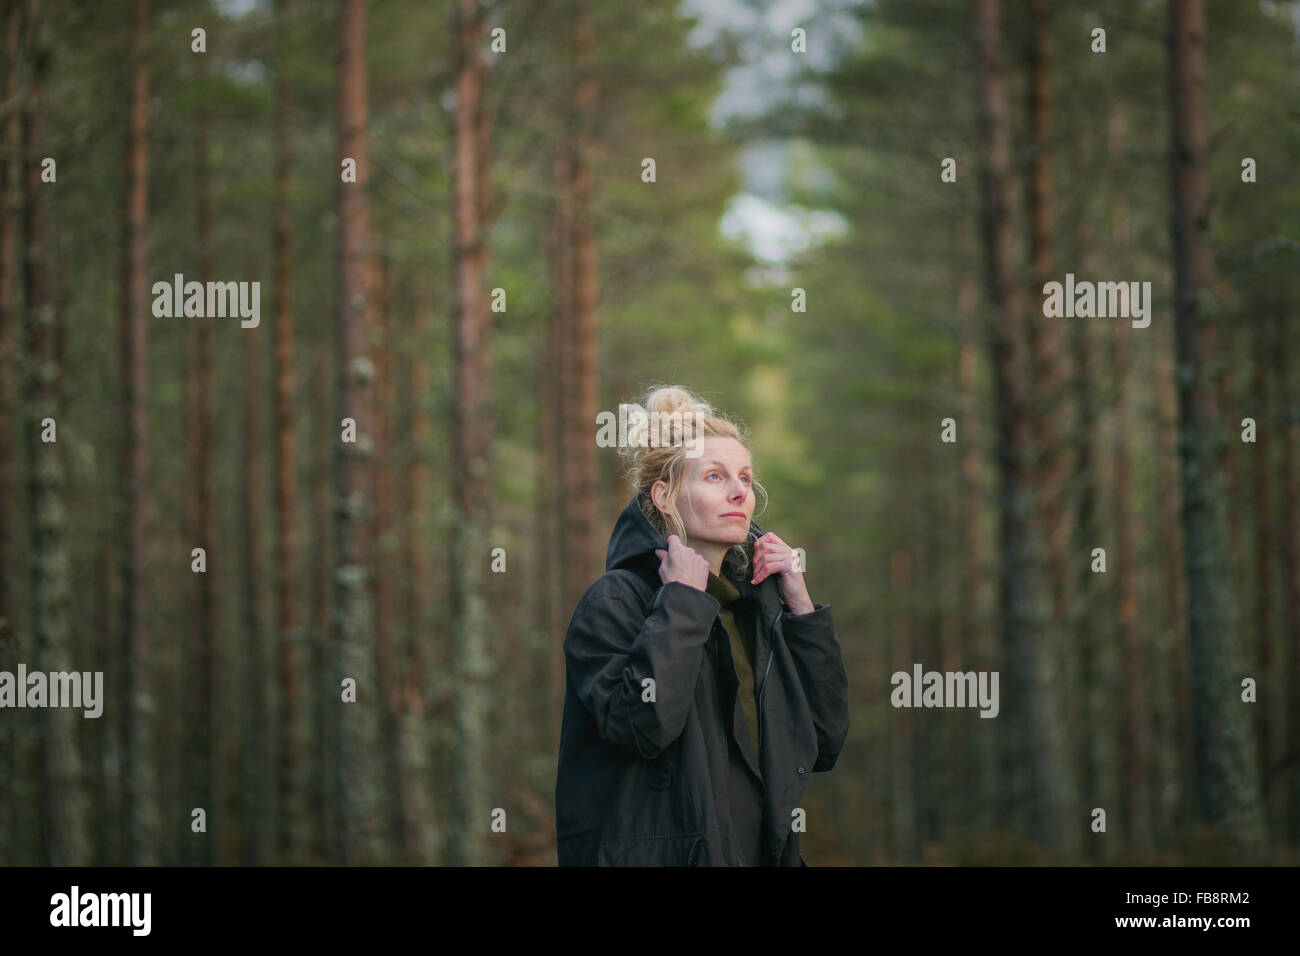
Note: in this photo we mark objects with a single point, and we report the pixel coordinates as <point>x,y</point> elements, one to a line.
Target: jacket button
<point>802,771</point>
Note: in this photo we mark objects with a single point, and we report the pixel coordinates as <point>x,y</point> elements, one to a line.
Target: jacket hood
<point>634,540</point>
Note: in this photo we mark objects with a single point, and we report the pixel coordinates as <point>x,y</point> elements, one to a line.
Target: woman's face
<point>717,487</point>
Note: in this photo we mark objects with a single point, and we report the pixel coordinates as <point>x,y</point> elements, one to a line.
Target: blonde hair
<point>680,412</point>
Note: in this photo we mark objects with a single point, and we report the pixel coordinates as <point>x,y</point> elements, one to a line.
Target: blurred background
<point>557,203</point>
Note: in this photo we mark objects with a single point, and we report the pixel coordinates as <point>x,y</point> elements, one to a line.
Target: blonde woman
<point>703,684</point>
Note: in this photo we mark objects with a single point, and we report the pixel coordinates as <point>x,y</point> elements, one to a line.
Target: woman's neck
<point>714,554</point>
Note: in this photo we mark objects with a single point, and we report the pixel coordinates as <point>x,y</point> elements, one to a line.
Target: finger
<point>660,553</point>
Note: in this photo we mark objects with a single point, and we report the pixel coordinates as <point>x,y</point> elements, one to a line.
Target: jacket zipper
<point>762,689</point>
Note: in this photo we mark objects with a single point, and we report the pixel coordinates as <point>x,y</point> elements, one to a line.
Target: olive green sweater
<point>742,650</point>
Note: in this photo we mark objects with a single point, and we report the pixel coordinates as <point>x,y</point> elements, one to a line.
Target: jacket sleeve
<point>820,665</point>
<point>612,646</point>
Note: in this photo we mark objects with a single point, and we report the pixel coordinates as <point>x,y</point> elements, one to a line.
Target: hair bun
<point>667,415</point>
<point>670,399</point>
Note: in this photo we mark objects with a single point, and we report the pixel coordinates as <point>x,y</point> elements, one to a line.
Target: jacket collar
<point>634,540</point>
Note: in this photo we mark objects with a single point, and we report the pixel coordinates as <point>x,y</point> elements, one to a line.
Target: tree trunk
<point>398,797</point>
<point>1088,535</point>
<point>417,533</point>
<point>138,791</point>
<point>581,558</point>
<point>902,794</point>
<point>1134,810</point>
<point>1289,398</point>
<point>472,430</point>
<point>554,402</point>
<point>977,760</point>
<point>419,527</point>
<point>1227,779</point>
<point>254,707</point>
<point>1135,822</point>
<point>198,748</point>
<point>288,803</point>
<point>62,800</point>
<point>929,737</point>
<point>11,743</point>
<point>1033,730</point>
<point>355,783</point>
<point>1170,712</point>
<point>322,813</point>
<point>1046,374</point>
<point>108,813</point>
<point>1268,687</point>
<point>1047,369</point>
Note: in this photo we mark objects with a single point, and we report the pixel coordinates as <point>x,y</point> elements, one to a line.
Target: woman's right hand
<point>682,564</point>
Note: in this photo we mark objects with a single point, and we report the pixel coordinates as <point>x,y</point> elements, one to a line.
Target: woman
<point>703,684</point>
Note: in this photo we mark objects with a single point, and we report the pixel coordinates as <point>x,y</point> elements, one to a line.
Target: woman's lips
<point>733,515</point>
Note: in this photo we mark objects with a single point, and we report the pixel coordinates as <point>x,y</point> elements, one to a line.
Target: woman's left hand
<point>774,556</point>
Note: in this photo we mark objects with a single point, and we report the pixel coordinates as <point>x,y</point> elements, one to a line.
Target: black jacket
<point>638,781</point>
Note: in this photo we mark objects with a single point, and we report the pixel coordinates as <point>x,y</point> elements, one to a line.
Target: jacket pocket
<point>661,771</point>
<point>679,850</point>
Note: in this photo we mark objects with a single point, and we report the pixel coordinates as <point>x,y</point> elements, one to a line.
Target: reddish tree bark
<point>473,426</point>
<point>137,752</point>
<point>582,561</point>
<point>1047,370</point>
<point>355,786</point>
<point>554,403</point>
<point>286,535</point>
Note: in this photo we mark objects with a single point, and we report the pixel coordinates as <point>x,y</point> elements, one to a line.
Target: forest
<point>311,312</point>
